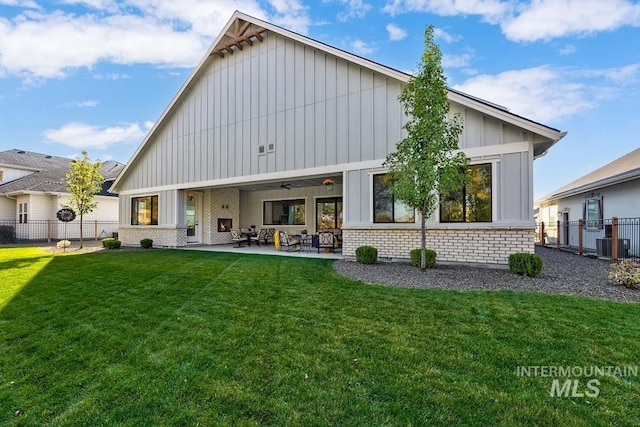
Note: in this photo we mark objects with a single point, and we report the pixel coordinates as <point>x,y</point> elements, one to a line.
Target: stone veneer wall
<point>482,246</point>
<point>162,236</point>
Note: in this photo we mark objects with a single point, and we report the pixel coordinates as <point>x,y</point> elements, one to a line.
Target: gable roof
<point>49,172</point>
<point>620,170</point>
<point>242,28</point>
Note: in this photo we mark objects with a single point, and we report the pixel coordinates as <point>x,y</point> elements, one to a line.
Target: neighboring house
<point>33,188</point>
<point>611,191</point>
<point>267,115</point>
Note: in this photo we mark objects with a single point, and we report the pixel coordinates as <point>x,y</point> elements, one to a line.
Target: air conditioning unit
<point>604,247</point>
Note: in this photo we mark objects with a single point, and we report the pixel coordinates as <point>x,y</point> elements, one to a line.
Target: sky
<point>96,74</point>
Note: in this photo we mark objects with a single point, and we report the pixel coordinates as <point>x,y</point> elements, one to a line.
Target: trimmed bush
<point>367,255</point>
<point>7,234</point>
<point>63,244</point>
<point>525,264</point>
<point>625,273</point>
<point>416,256</point>
<point>111,243</point>
<point>146,243</point>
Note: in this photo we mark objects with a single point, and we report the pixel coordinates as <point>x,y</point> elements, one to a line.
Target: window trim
<point>393,202</point>
<point>336,199</point>
<point>284,199</point>
<point>492,199</point>
<point>157,205</point>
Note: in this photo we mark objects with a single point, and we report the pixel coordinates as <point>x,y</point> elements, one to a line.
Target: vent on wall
<point>260,149</point>
<point>271,147</point>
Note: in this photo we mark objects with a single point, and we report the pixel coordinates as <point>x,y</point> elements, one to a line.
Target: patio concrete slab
<point>263,250</point>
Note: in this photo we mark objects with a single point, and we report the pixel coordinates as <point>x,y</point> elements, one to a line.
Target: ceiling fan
<point>287,186</point>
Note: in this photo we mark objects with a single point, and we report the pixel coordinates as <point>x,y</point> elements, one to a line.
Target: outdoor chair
<point>237,238</point>
<point>261,237</point>
<point>326,239</point>
<point>270,233</point>
<point>288,242</point>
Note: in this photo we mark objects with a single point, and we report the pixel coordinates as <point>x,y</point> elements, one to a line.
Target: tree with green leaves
<point>84,181</point>
<point>427,162</point>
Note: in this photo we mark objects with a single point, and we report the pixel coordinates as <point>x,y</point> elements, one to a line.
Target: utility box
<point>604,247</point>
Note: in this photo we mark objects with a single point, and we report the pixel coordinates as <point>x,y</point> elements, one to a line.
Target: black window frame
<point>462,193</point>
<point>335,201</point>
<point>153,210</point>
<point>290,201</point>
<point>393,205</point>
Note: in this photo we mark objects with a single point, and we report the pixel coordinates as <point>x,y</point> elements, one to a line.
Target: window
<point>385,207</point>
<point>22,213</point>
<point>472,203</point>
<point>1,175</point>
<point>593,213</point>
<point>144,210</point>
<point>328,213</point>
<point>284,212</point>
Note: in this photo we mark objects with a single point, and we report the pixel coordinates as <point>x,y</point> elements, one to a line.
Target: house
<point>268,115</point>
<point>610,191</point>
<point>33,188</point>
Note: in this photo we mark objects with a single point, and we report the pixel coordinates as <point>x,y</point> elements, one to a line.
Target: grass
<point>167,337</point>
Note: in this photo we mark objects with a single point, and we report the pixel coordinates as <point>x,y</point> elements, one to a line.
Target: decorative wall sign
<point>66,215</point>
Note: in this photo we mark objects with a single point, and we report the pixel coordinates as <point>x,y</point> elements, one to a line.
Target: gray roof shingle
<point>49,171</point>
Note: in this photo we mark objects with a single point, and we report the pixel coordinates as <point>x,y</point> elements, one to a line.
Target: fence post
<point>614,239</point>
<point>542,233</point>
<point>580,226</point>
<point>95,230</point>
<point>558,235</point>
<point>49,231</point>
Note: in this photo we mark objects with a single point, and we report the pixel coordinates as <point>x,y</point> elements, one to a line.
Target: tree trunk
<point>423,252</point>
<point>80,230</point>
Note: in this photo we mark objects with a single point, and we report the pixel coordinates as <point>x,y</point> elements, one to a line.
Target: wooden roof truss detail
<point>240,32</point>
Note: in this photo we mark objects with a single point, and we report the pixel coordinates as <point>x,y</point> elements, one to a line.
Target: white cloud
<point>148,124</point>
<point>548,19</point>
<point>30,4</point>
<point>548,94</point>
<point>90,103</point>
<point>396,33</point>
<point>440,34</point>
<point>82,136</point>
<point>490,10</point>
<point>165,33</point>
<point>111,76</point>
<point>362,48</point>
<point>354,9</point>
<point>456,61</point>
<point>536,19</point>
<point>567,50</point>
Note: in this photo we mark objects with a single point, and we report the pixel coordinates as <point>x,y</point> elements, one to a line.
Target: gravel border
<point>562,273</point>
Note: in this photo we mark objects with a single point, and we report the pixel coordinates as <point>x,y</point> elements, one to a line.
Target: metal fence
<point>614,238</point>
<point>53,230</point>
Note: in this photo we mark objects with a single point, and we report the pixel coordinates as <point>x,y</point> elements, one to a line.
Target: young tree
<point>84,181</point>
<point>427,161</point>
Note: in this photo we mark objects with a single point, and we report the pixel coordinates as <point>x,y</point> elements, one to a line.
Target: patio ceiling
<point>291,183</point>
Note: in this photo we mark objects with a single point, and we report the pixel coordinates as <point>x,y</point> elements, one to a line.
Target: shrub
<point>146,243</point>
<point>7,234</point>
<point>626,273</point>
<point>525,264</point>
<point>367,255</point>
<point>63,244</point>
<point>416,256</point>
<point>111,243</point>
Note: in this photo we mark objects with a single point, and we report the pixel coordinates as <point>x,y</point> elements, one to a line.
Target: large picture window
<point>328,213</point>
<point>472,203</point>
<point>385,207</point>
<point>284,212</point>
<point>144,210</point>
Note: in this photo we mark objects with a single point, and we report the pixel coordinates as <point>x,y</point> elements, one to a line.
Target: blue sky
<point>96,74</point>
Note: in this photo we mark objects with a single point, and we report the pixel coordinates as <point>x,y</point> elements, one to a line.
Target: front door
<point>194,203</point>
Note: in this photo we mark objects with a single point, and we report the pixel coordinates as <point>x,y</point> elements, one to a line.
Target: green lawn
<point>165,337</point>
